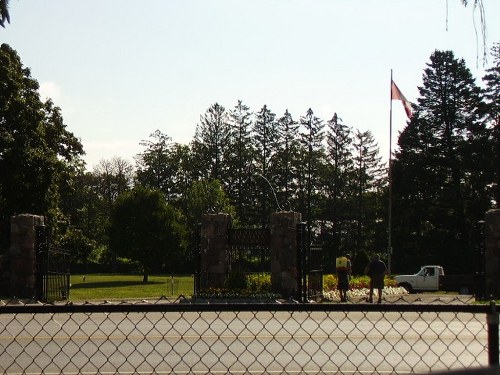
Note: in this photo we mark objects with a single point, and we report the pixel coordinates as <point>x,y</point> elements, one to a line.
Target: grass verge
<point>127,287</point>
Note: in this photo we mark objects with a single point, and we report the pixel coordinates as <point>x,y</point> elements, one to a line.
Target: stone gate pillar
<point>213,250</point>
<point>492,252</point>
<point>22,255</point>
<point>283,245</point>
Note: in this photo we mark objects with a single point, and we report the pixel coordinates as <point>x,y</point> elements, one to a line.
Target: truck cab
<point>425,279</point>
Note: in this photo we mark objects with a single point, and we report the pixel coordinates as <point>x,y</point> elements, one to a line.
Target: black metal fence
<point>249,250</point>
<point>52,269</point>
<point>252,338</point>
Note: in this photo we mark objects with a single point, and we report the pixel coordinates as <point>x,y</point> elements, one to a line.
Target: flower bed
<point>359,287</point>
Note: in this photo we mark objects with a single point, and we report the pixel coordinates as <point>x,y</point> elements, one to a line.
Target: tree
<point>153,170</point>
<point>211,145</point>
<point>370,179</point>
<point>112,178</point>
<point>240,158</point>
<point>206,196</point>
<point>312,140</point>
<point>442,169</point>
<point>146,229</point>
<point>492,97</point>
<point>115,177</point>
<point>264,139</point>
<point>287,150</point>
<point>39,157</point>
<point>338,182</point>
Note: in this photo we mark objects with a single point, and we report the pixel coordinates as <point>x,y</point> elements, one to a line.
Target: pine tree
<point>264,139</point>
<point>492,97</point>
<point>441,168</point>
<point>283,167</point>
<point>211,145</point>
<point>338,181</point>
<point>241,158</point>
<point>370,179</point>
<point>312,139</point>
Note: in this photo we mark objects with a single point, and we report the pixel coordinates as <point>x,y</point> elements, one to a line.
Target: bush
<point>259,283</point>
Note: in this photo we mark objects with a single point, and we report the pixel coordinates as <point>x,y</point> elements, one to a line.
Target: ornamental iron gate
<point>249,250</point>
<point>235,252</point>
<point>52,271</point>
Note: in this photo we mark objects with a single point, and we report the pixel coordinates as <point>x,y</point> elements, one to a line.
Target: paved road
<point>241,342</point>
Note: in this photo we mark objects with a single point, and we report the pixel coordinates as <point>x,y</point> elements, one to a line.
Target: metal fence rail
<point>250,338</point>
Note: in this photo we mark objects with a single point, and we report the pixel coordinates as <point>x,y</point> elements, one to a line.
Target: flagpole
<point>389,219</point>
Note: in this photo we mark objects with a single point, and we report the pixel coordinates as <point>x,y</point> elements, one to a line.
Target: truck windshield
<point>427,271</point>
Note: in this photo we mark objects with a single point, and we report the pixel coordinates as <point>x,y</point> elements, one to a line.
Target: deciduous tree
<point>146,229</point>
<point>38,156</point>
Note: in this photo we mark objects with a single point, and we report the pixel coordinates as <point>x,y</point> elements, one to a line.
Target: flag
<point>396,94</point>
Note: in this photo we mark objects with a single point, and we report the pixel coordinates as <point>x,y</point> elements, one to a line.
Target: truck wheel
<point>464,290</point>
<point>407,286</point>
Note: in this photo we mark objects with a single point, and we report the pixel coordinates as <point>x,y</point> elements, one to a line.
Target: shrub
<point>259,282</point>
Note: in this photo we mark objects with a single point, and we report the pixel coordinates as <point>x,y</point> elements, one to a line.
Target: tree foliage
<point>441,171</point>
<point>38,156</point>
<point>492,98</point>
<point>146,229</point>
<point>445,175</point>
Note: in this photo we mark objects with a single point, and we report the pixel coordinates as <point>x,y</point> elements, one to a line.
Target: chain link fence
<point>246,337</point>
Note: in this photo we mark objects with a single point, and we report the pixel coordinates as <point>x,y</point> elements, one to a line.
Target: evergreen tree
<point>211,146</point>
<point>241,158</point>
<point>181,163</point>
<point>283,166</point>
<point>264,130</point>
<point>312,139</point>
<point>441,170</point>
<point>338,184</point>
<point>370,180</point>
<point>492,97</point>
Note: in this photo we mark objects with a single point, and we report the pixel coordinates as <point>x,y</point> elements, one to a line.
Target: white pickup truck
<point>432,278</point>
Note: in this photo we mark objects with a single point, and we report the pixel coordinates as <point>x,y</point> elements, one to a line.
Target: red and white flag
<point>396,94</point>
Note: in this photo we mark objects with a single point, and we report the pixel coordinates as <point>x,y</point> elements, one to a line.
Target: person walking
<point>376,270</point>
<point>343,267</point>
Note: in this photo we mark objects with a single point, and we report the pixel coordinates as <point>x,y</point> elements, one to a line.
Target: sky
<point>121,69</point>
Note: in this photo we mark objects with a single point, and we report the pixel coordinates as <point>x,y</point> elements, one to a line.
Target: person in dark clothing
<point>344,268</point>
<point>376,270</point>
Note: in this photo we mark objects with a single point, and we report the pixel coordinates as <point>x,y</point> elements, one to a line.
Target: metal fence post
<point>41,251</point>
<point>301,266</point>
<point>493,345</point>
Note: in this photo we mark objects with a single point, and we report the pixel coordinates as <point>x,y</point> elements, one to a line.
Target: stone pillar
<point>492,252</point>
<point>214,246</point>
<point>22,255</point>
<point>284,252</point>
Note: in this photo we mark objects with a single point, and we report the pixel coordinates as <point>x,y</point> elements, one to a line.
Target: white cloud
<point>50,90</point>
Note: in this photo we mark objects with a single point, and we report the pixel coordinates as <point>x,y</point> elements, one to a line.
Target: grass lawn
<point>125,287</point>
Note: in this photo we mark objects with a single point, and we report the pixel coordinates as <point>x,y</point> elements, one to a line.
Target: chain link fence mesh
<point>241,337</point>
